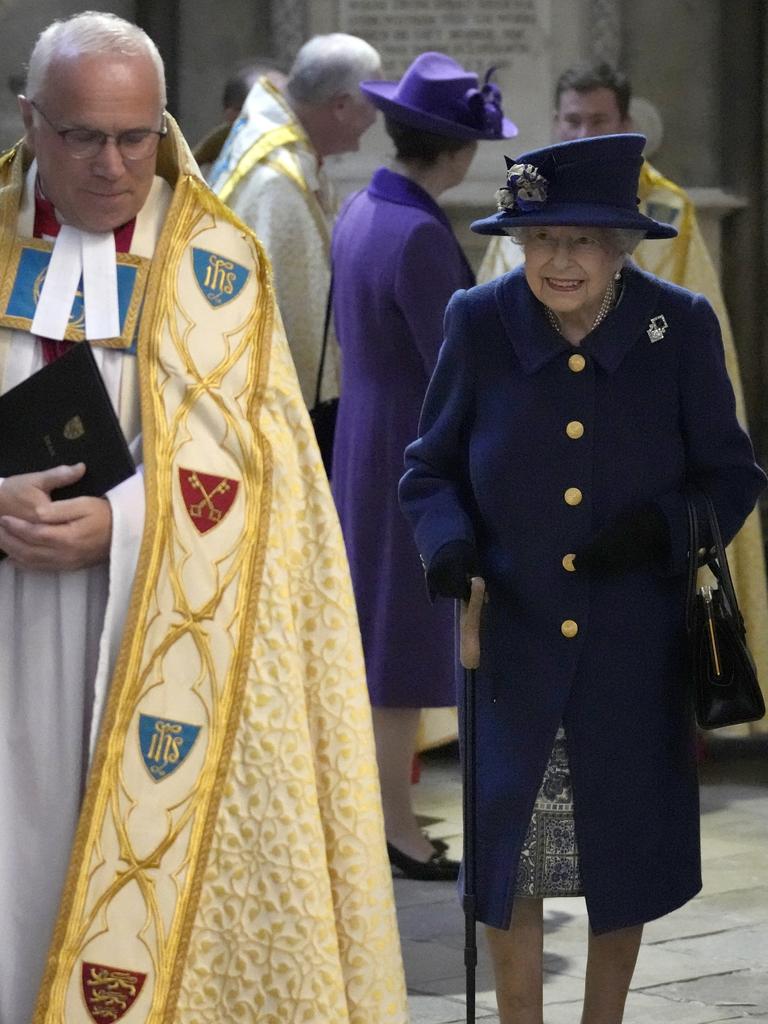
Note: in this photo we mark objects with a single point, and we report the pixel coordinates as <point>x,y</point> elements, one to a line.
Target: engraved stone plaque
<point>511,35</point>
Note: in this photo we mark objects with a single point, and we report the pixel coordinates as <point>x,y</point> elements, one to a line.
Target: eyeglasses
<point>85,143</point>
<point>545,241</point>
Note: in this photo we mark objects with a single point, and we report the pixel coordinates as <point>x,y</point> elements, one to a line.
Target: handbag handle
<point>323,350</point>
<point>693,561</point>
<point>715,558</point>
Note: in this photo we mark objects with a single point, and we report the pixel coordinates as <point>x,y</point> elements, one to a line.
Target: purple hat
<point>587,183</point>
<point>439,96</point>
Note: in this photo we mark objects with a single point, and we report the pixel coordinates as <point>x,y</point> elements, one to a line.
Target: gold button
<point>576,362</point>
<point>573,496</point>
<point>569,628</point>
<point>575,430</point>
<point>568,562</point>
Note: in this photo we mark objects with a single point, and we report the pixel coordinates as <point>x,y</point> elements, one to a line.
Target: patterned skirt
<point>549,860</point>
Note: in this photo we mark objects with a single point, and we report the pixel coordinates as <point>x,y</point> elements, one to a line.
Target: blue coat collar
<point>536,342</point>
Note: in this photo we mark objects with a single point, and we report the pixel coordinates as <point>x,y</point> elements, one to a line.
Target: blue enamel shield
<point>219,278</point>
<point>165,744</point>
<point>28,284</point>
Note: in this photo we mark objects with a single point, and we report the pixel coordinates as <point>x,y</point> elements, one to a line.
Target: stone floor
<point>707,962</point>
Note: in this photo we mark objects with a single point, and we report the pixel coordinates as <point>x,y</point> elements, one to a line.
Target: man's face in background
<point>581,115</point>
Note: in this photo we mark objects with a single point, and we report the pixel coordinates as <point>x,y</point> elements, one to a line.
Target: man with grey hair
<point>270,172</point>
<point>174,797</point>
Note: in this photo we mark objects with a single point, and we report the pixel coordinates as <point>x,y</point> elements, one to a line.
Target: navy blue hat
<point>586,183</point>
<point>437,95</point>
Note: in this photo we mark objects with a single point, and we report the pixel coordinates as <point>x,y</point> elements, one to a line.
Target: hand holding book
<point>60,439</point>
<point>40,533</point>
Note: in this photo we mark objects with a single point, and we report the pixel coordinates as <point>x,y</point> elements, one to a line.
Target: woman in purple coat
<point>575,404</point>
<point>396,263</point>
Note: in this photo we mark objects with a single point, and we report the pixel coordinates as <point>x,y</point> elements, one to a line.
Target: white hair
<point>623,240</point>
<point>92,32</point>
<point>331,65</point>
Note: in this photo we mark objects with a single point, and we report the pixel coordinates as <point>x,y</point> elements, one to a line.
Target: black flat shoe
<point>438,844</point>
<point>437,869</point>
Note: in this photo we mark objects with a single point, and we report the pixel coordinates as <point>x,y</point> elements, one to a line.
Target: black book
<point>62,415</point>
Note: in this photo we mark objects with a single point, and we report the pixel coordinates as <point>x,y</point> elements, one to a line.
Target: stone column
<point>289,29</point>
<point>215,36</point>
<point>20,24</point>
<point>605,31</point>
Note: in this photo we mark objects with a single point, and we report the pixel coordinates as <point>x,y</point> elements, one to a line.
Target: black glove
<point>631,540</point>
<point>451,569</point>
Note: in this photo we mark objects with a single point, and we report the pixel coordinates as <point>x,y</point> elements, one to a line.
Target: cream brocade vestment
<point>229,862</point>
<point>270,175</point>
<point>685,261</point>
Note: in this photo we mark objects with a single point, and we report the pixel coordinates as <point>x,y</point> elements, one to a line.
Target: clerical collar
<point>47,224</point>
<point>81,260</point>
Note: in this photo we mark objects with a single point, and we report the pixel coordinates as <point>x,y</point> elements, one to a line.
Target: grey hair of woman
<point>623,240</point>
<point>331,65</point>
<point>90,33</point>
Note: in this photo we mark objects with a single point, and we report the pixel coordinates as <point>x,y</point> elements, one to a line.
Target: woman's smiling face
<point>569,269</point>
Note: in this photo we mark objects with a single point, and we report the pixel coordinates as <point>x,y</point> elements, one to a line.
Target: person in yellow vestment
<point>236,89</point>
<point>270,171</point>
<point>191,828</point>
<point>595,101</point>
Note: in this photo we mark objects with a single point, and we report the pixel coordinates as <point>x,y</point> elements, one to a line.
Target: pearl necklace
<point>602,313</point>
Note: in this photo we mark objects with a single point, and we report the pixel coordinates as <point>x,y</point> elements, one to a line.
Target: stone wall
<point>215,37</point>
<point>20,24</point>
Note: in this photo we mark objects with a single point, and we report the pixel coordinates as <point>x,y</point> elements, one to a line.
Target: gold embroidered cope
<point>248,878</point>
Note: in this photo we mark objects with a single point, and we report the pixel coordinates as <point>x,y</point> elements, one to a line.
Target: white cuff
<point>127,501</point>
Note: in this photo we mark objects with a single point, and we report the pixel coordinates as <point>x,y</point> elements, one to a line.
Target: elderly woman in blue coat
<point>396,263</point>
<point>574,402</point>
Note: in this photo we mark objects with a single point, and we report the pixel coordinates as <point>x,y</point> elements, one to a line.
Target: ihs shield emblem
<point>165,744</point>
<point>220,279</point>
<point>208,498</point>
<point>110,992</point>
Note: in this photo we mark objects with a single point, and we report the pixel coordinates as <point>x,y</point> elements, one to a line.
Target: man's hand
<point>38,533</point>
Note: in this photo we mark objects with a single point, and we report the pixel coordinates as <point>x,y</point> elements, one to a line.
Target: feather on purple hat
<point>438,95</point>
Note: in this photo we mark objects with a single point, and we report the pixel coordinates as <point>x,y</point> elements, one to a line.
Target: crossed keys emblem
<point>197,511</point>
<point>207,498</point>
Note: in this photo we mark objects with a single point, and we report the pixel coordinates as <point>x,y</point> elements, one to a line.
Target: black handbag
<point>323,414</point>
<point>725,686</point>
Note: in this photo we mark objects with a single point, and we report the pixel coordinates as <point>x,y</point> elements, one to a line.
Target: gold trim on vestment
<point>164,338</point>
<point>11,187</point>
<point>10,196</point>
<point>287,165</point>
<point>282,135</point>
<point>672,265</point>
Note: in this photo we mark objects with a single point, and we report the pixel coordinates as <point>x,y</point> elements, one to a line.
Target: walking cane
<point>469,654</point>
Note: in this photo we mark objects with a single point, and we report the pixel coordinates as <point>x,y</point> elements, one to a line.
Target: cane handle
<point>469,624</point>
